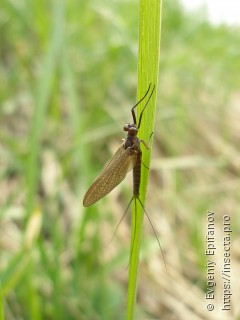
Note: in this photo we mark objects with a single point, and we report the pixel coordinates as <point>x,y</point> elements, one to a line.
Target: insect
<point>127,157</point>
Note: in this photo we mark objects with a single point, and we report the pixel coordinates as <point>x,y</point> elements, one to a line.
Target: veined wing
<point>113,173</point>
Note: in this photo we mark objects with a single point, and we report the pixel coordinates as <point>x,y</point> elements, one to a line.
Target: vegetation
<point>68,78</point>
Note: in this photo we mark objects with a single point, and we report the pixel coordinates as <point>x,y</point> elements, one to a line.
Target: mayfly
<point>127,157</point>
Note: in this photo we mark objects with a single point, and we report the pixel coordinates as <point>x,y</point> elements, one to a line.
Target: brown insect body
<point>132,141</point>
<point>137,174</point>
<point>126,158</point>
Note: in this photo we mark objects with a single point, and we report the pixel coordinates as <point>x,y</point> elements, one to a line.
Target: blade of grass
<point>43,96</point>
<point>14,272</point>
<point>44,87</point>
<point>1,304</point>
<point>148,65</point>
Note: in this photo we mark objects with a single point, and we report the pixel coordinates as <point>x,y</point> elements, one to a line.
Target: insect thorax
<point>132,142</point>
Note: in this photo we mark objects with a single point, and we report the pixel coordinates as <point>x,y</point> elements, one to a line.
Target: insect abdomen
<point>137,174</point>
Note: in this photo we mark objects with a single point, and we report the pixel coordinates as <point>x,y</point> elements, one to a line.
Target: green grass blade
<point>14,272</point>
<point>43,93</point>
<point>148,66</point>
<point>1,303</point>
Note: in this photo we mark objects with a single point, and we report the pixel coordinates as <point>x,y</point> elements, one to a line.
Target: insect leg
<point>147,146</point>
<point>145,165</point>
<point>140,118</point>
<point>132,110</point>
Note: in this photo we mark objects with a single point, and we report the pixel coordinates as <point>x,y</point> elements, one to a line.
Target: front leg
<point>144,143</point>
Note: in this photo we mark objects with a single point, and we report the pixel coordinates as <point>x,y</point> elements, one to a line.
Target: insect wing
<point>113,173</point>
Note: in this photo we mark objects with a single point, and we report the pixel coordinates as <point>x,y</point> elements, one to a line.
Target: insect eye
<point>133,130</point>
<point>126,127</point>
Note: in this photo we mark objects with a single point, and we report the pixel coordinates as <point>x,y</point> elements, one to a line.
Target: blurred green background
<point>68,78</point>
